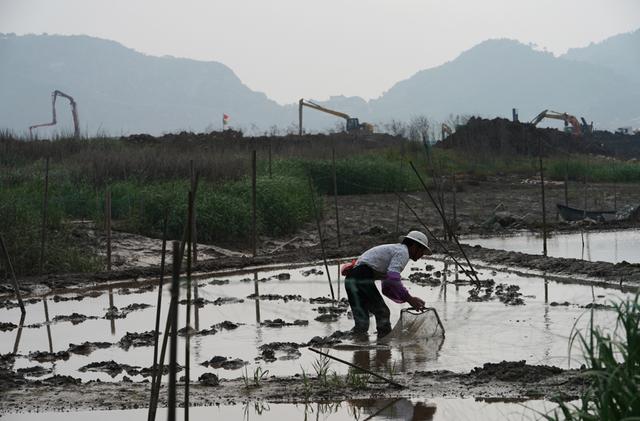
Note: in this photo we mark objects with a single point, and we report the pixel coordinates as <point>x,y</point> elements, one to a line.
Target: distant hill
<point>122,91</point>
<point>119,90</point>
<point>497,75</point>
<point>620,53</point>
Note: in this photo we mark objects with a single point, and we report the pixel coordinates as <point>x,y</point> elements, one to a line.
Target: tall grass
<point>594,169</point>
<point>613,362</point>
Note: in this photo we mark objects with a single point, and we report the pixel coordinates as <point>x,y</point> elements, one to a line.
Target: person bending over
<point>384,262</point>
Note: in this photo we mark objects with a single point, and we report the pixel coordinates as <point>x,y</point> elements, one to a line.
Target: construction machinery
<point>353,124</point>
<point>74,113</point>
<point>446,130</point>
<point>576,128</point>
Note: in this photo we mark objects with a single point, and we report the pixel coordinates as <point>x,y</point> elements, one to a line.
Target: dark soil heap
<point>506,137</point>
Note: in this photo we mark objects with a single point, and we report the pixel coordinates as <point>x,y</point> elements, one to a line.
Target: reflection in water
<point>113,321</point>
<point>46,316</point>
<point>16,344</point>
<point>378,358</point>
<point>393,409</point>
<point>255,286</point>
<point>195,298</point>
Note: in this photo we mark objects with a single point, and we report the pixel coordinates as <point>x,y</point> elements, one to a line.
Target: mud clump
<point>136,339</point>
<point>35,371</point>
<point>209,379</point>
<point>424,279</point>
<point>275,297</point>
<point>598,306</point>
<point>225,363</point>
<point>59,298</point>
<point>59,380</point>
<point>226,300</point>
<point>556,304</point>
<point>341,309</point>
<point>47,357</point>
<point>335,338</point>
<point>7,327</point>
<point>111,368</point>
<point>327,318</point>
<point>74,318</point>
<point>507,294</point>
<point>282,323</point>
<point>286,351</point>
<point>219,282</point>
<point>87,348</point>
<point>198,302</point>
<point>134,307</point>
<point>312,271</point>
<point>513,371</point>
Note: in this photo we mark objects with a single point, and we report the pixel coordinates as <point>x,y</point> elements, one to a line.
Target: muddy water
<point>608,246</point>
<point>378,409</point>
<point>476,333</point>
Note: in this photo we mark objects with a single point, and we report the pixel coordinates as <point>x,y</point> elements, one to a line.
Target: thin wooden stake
<point>194,230</point>
<point>335,193</point>
<point>391,382</point>
<point>446,224</point>
<point>544,208</point>
<point>324,257</point>
<point>107,215</point>
<point>257,294</point>
<point>7,260</point>
<point>440,243</point>
<point>187,342</point>
<point>270,173</point>
<point>45,205</point>
<point>46,318</point>
<point>254,234</point>
<point>158,310</point>
<point>455,212</point>
<point>173,346</point>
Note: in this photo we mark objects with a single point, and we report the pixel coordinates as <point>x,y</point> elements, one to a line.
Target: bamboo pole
<point>270,172</point>
<point>173,346</point>
<point>391,382</point>
<point>158,310</point>
<point>45,205</point>
<point>324,257</point>
<point>257,294</point>
<point>444,221</point>
<point>46,318</point>
<point>187,342</point>
<point>544,208</point>
<point>194,230</point>
<point>440,243</point>
<point>7,260</point>
<point>335,193</point>
<point>16,343</point>
<point>107,214</point>
<point>453,199</point>
<point>254,234</point>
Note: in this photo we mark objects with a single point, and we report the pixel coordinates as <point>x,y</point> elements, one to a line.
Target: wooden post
<point>544,209</point>
<point>300,117</point>
<point>187,342</point>
<point>107,215</point>
<point>270,173</point>
<point>113,320</point>
<point>324,257</point>
<point>7,260</point>
<point>194,231</point>
<point>45,205</point>
<point>455,212</point>
<point>46,317</point>
<point>257,294</point>
<point>173,346</point>
<point>16,344</point>
<point>158,310</point>
<point>254,234</point>
<point>335,193</point>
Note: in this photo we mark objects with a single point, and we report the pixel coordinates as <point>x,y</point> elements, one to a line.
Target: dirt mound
<point>513,371</point>
<point>506,137</point>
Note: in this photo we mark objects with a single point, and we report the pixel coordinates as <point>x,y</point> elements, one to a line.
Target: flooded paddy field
<point>268,318</point>
<point>356,409</point>
<point>607,246</point>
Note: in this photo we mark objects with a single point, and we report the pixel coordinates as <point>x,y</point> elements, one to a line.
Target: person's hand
<point>416,303</point>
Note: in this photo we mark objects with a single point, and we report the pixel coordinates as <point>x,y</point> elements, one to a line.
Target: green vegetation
<point>613,362</point>
<point>148,178</point>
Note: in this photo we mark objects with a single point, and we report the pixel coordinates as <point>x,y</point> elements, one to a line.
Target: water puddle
<point>362,409</point>
<point>236,329</point>
<point>605,246</point>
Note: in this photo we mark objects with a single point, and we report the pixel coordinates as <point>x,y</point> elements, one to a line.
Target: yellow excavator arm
<point>567,118</point>
<point>353,124</point>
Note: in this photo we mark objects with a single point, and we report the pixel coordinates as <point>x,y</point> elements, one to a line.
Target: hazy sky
<point>317,48</point>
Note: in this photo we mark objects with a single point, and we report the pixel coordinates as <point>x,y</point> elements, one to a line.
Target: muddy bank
<point>506,380</point>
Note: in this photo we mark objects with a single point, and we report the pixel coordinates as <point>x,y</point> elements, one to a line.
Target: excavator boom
<point>567,118</point>
<point>54,121</point>
<point>353,124</point>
